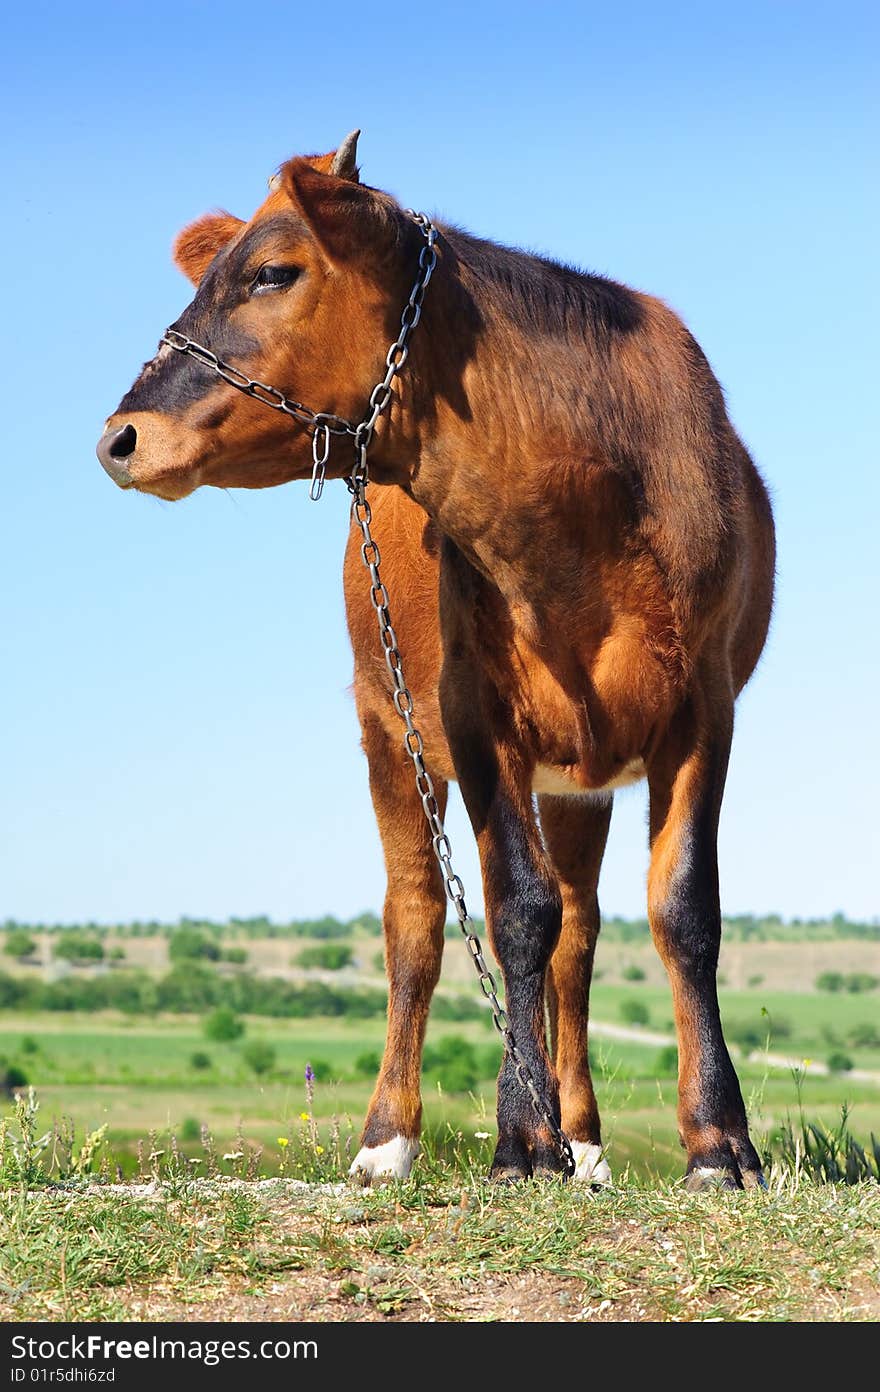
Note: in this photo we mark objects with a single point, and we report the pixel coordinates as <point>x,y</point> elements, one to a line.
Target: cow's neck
<point>484,415</point>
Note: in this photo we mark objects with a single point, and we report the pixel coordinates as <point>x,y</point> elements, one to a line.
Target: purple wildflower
<point>310,1083</point>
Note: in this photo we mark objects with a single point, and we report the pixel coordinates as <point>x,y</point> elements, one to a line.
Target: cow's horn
<point>344,164</point>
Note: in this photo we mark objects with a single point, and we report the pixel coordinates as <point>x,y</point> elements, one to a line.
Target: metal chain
<point>323,425</point>
<point>414,746</point>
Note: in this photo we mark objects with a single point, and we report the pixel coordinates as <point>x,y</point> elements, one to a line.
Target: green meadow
<point>146,1077</point>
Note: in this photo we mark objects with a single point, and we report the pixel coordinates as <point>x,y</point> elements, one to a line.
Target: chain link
<point>323,425</point>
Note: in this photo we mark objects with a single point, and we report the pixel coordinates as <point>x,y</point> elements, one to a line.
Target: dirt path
<point>784,1062</point>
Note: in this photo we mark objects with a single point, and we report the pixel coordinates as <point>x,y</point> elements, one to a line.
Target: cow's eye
<point>274,277</point>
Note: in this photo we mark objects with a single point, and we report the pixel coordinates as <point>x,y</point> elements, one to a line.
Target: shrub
<point>12,1078</point>
<point>259,1056</point>
<point>322,1071</point>
<point>666,1062</point>
<point>200,1060</point>
<point>189,945</point>
<point>747,1034</point>
<point>78,947</point>
<point>633,973</point>
<point>330,956</point>
<point>452,1062</point>
<point>865,1036</point>
<point>634,1012</point>
<point>839,1062</point>
<point>19,944</point>
<point>117,954</point>
<point>445,1007</point>
<point>236,956</point>
<point>190,988</point>
<point>755,980</point>
<point>861,981</point>
<point>328,927</point>
<point>829,981</point>
<point>222,1025</point>
<point>29,1045</point>
<point>190,1129</point>
<point>368,1064</point>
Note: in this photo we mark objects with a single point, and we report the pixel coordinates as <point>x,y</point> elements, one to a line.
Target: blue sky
<point>176,729</point>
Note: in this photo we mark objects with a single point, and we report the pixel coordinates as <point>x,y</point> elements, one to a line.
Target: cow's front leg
<point>415,912</point>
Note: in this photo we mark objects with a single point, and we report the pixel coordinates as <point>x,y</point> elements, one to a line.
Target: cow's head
<point>305,296</point>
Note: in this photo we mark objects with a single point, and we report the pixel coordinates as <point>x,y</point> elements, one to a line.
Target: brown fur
<point>579,552</point>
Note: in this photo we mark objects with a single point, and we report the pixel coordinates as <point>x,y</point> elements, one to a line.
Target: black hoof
<point>702,1179</point>
<point>508,1174</point>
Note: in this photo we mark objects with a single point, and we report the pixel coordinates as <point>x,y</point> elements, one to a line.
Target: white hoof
<point>591,1167</point>
<point>393,1160</point>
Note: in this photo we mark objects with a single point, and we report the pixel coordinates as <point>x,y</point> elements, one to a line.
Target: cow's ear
<point>348,220</point>
<point>197,245</point>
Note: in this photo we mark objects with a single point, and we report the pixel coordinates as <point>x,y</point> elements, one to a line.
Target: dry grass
<point>443,1246</point>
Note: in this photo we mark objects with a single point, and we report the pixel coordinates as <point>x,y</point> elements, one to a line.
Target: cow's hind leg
<point>413,921</point>
<point>686,777</point>
<point>575,832</point>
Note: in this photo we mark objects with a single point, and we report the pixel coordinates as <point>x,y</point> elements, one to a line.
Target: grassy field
<point>135,1076</point>
<point>135,1073</point>
<point>233,1205</point>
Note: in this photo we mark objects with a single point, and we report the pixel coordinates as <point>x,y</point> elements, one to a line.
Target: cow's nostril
<point>123,443</point>
<point>114,447</point>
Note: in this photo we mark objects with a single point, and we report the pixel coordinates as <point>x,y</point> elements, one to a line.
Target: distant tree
<point>330,956</point>
<point>73,946</point>
<point>633,973</point>
<point>200,1060</point>
<point>830,981</point>
<point>452,1061</point>
<point>19,943</point>
<point>236,956</point>
<point>189,944</point>
<point>368,923</point>
<point>865,1036</point>
<point>12,1078</point>
<point>222,1025</point>
<point>666,1062</point>
<point>259,1056</point>
<point>328,927</point>
<point>748,1034</point>
<point>190,1130</point>
<point>861,981</point>
<point>368,1064</point>
<point>634,1012</point>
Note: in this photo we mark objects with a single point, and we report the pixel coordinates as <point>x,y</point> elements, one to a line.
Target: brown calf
<point>580,556</point>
